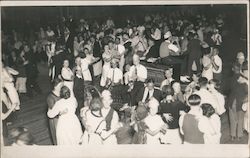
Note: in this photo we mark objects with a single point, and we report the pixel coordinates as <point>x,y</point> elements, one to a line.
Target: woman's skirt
<point>12,94</point>
<point>171,137</point>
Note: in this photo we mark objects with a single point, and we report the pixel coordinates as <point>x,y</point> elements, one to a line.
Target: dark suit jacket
<point>157,95</point>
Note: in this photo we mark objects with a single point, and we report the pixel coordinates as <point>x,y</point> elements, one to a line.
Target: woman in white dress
<point>212,123</point>
<point>94,123</point>
<point>68,130</point>
<point>67,76</point>
<point>207,65</point>
<point>154,123</point>
<point>7,83</point>
<point>107,56</point>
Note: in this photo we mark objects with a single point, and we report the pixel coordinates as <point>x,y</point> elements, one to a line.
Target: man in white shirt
<point>206,96</point>
<point>115,75</point>
<point>89,59</point>
<point>167,48</point>
<point>137,72</point>
<point>217,64</point>
<point>147,92</point>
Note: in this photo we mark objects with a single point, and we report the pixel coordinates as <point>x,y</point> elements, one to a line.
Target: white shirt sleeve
<point>130,73</point>
<point>218,62</point>
<point>143,73</point>
<point>66,74</point>
<point>181,123</point>
<point>54,111</point>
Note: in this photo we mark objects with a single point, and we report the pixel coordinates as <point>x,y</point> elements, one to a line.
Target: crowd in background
<point>91,63</point>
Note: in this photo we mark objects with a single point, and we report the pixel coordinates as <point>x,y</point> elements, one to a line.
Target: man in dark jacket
<point>147,92</point>
<point>31,72</point>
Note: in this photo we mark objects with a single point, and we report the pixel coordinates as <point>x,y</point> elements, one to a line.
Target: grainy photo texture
<point>124,74</point>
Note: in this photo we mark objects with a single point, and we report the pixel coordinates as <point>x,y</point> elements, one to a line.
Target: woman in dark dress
<point>52,98</point>
<point>170,110</point>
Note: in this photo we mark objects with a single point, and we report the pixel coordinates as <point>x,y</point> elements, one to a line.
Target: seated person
<point>145,93</point>
<point>169,78</point>
<point>137,72</point>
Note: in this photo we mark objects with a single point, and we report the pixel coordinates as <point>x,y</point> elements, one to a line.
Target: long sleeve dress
<point>8,84</point>
<point>68,129</point>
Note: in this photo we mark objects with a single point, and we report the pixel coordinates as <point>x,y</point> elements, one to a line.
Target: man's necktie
<point>147,96</point>
<point>113,77</point>
<point>136,73</point>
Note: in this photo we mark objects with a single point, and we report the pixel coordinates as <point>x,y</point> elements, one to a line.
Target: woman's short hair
<point>215,82</point>
<point>167,90</point>
<point>203,81</point>
<point>207,109</point>
<point>56,82</point>
<point>194,100</point>
<point>198,74</point>
<point>65,92</point>
<point>96,104</point>
<point>150,80</point>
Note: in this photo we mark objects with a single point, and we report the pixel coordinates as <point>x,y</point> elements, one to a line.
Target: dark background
<point>17,17</point>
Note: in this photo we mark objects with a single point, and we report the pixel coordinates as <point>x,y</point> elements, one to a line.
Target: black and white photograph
<point>114,75</point>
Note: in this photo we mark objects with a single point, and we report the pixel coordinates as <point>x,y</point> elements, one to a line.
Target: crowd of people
<point>92,63</point>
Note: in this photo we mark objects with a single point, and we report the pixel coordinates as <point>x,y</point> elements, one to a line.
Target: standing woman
<point>212,119</point>
<point>68,129</point>
<point>67,76</point>
<point>8,84</point>
<point>106,56</point>
<point>52,98</point>
<point>94,123</point>
<point>154,122</point>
